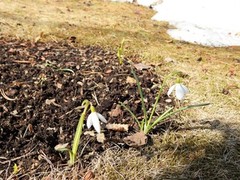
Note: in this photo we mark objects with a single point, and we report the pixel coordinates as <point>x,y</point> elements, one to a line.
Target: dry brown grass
<point>208,147</point>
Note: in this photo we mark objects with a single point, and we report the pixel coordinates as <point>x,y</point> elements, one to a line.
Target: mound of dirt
<point>42,88</point>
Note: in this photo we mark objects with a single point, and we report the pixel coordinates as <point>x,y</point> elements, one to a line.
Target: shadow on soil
<point>219,159</point>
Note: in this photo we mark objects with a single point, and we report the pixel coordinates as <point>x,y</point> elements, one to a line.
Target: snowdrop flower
<point>180,91</point>
<point>93,120</point>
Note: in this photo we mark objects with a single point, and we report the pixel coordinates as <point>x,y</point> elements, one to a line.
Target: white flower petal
<point>171,89</point>
<point>89,121</point>
<point>95,121</point>
<point>180,92</point>
<point>101,117</point>
<point>185,89</point>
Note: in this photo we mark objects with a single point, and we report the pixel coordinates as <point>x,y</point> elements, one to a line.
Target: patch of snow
<point>148,3</point>
<point>205,22</point>
<point>130,1</point>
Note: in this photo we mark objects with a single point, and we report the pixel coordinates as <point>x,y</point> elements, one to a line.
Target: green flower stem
<point>78,133</point>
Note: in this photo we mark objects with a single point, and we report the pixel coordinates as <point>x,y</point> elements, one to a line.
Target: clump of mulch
<point>42,88</point>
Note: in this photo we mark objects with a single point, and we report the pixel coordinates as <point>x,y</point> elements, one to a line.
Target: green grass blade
<point>132,114</point>
<point>141,96</point>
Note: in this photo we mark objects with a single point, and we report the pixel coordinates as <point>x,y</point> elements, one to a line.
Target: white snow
<point>207,22</point>
<point>148,2</point>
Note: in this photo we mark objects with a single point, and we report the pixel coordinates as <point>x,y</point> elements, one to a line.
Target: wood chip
<point>101,137</point>
<point>118,127</point>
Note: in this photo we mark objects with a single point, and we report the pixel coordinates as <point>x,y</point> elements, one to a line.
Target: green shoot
<point>15,168</point>
<point>120,52</point>
<point>73,152</point>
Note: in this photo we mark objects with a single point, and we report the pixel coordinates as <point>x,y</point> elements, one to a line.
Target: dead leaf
<point>61,147</point>
<point>101,137</point>
<point>116,112</point>
<point>131,80</point>
<point>136,140</point>
<point>141,66</point>
<point>89,175</point>
<point>118,127</point>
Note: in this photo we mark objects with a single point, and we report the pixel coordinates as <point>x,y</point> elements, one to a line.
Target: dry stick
<point>95,97</point>
<point>23,61</point>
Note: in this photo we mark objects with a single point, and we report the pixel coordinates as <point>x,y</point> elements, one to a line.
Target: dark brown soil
<point>45,83</point>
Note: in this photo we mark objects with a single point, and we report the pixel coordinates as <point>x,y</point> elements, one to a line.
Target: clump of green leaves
<point>73,152</point>
<point>148,123</point>
<point>92,120</point>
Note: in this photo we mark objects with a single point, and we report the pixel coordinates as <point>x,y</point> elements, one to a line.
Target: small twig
<point>44,156</point>
<point>23,62</point>
<point>84,147</point>
<point>5,96</point>
<point>95,97</point>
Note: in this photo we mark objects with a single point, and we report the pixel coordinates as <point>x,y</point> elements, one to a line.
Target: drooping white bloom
<point>180,91</point>
<point>93,120</point>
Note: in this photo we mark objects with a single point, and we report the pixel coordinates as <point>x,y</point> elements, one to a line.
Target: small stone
<point>199,59</point>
